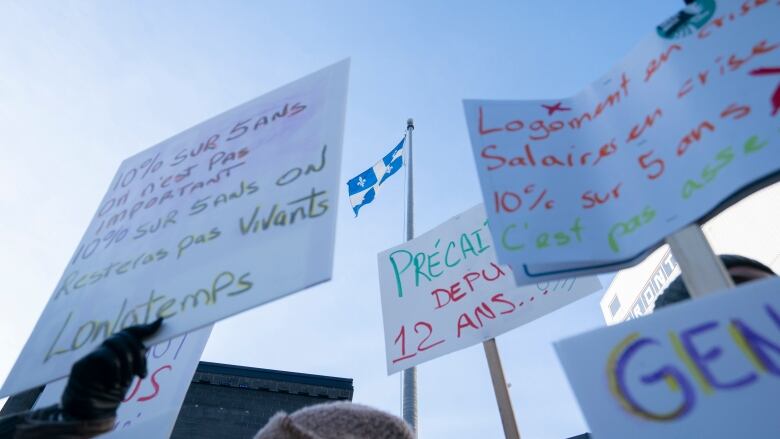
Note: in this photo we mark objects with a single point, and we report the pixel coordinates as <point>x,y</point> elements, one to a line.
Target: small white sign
<point>445,291</point>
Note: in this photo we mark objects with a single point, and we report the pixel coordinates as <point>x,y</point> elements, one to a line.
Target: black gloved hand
<point>99,381</point>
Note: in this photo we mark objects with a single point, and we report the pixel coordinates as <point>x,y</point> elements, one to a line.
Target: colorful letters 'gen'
<point>706,368</point>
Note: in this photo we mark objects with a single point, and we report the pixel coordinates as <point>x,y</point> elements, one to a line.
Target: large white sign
<point>675,129</point>
<point>445,291</point>
<point>152,405</point>
<point>705,368</point>
<point>232,213</point>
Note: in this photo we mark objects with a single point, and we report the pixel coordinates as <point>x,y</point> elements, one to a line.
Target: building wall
<point>235,402</point>
<point>633,291</point>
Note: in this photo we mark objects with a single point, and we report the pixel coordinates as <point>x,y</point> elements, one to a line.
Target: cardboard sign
<point>705,368</point>
<point>152,405</point>
<point>445,291</point>
<point>683,123</point>
<point>230,214</point>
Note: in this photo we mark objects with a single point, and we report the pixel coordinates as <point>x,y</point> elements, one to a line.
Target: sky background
<point>84,85</point>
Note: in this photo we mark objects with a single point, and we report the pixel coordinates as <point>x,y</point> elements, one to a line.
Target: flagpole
<point>410,374</point>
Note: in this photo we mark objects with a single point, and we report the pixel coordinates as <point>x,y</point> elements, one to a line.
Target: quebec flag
<point>362,189</point>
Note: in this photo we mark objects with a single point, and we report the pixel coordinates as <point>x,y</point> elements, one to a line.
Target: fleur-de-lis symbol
<point>361,181</point>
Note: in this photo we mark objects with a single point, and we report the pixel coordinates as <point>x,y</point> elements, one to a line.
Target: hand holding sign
<point>99,381</point>
<point>151,405</point>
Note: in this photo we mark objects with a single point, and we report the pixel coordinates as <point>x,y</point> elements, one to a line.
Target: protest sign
<point>445,291</point>
<point>705,368</point>
<point>152,405</point>
<point>230,214</point>
<point>680,126</point>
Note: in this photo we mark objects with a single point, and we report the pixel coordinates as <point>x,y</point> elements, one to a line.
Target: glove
<point>99,381</point>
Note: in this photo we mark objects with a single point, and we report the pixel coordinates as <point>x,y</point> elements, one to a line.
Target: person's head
<point>740,268</point>
<point>336,420</point>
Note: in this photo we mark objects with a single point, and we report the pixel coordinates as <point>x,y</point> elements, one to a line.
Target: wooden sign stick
<point>702,270</point>
<point>502,391</point>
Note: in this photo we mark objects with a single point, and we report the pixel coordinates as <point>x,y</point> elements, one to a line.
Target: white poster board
<point>225,216</point>
<point>593,182</point>
<point>706,368</point>
<point>445,291</point>
<point>152,405</point>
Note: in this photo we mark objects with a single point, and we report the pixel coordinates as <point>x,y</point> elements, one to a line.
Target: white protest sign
<point>230,214</point>
<point>591,183</point>
<point>705,368</point>
<point>445,291</point>
<point>152,405</point>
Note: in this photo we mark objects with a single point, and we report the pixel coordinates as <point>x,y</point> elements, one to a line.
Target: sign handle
<point>502,392</point>
<point>702,270</point>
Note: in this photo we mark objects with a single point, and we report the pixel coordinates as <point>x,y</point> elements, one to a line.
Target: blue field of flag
<point>362,189</point>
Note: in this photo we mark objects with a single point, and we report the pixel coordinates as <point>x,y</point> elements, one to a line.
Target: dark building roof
<point>235,401</point>
<point>257,375</point>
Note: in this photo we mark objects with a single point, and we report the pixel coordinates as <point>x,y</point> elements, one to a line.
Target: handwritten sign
<point>230,214</point>
<point>445,291</point>
<point>151,406</point>
<point>705,368</point>
<point>678,127</point>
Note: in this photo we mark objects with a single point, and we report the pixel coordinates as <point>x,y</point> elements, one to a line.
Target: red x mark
<point>551,109</point>
<point>775,97</point>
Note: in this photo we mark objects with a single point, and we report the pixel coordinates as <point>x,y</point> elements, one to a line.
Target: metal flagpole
<point>409,405</point>
<point>500,388</point>
<point>410,374</point>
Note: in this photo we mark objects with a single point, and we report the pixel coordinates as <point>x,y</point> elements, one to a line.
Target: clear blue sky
<point>85,84</point>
